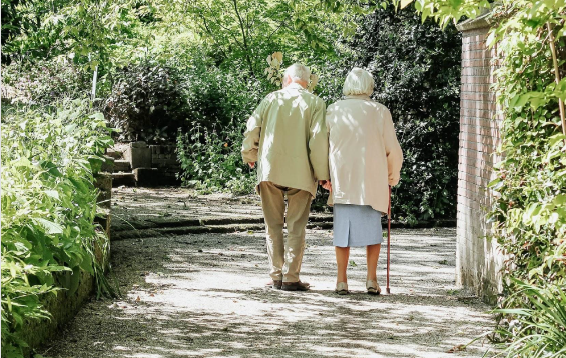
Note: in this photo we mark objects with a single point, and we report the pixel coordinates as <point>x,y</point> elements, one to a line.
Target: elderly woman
<point>365,159</point>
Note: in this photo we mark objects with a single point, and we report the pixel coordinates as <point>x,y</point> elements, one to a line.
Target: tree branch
<point>210,33</point>
<point>244,38</point>
<point>226,29</point>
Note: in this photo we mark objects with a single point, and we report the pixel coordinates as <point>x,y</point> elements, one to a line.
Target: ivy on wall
<point>529,213</point>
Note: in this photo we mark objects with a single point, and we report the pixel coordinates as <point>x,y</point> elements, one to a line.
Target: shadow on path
<point>203,296</point>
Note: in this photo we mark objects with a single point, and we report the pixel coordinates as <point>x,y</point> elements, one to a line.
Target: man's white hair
<point>358,81</point>
<point>298,71</point>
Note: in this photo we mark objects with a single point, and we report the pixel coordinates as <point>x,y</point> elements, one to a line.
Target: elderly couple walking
<point>350,149</point>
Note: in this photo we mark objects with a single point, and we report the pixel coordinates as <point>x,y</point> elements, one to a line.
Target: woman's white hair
<point>358,81</point>
<point>298,71</point>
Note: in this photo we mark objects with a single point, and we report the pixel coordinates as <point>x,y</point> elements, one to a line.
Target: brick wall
<point>478,260</point>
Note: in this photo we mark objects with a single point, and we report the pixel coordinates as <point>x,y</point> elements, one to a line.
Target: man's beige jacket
<point>365,156</point>
<point>287,137</point>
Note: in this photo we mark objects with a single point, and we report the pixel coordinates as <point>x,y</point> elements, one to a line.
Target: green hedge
<point>48,206</point>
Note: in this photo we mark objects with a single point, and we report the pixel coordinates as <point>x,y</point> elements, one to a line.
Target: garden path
<point>202,295</point>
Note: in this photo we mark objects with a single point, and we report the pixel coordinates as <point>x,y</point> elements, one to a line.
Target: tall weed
<point>539,325</point>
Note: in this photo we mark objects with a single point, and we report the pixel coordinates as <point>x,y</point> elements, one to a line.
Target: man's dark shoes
<point>276,284</point>
<point>295,286</point>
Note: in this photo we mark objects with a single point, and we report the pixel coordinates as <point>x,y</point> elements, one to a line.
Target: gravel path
<point>203,296</point>
<point>138,205</point>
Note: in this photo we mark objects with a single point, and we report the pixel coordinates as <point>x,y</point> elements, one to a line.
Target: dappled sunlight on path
<point>204,296</point>
<point>131,206</point>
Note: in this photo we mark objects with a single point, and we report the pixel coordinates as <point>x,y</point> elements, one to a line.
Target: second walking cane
<point>388,241</point>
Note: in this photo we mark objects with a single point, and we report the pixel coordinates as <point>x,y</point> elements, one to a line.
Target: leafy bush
<point>216,98</point>
<point>212,162</point>
<point>147,102</point>
<point>44,81</point>
<point>540,326</point>
<point>48,207</point>
<point>209,149</point>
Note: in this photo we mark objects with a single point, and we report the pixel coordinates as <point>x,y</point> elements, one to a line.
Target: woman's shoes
<point>342,288</point>
<point>372,287</point>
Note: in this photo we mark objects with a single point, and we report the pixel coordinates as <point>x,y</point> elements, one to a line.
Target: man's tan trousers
<point>286,261</point>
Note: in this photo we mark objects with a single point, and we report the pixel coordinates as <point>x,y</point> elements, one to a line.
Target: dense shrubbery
<point>209,149</point>
<point>152,100</point>
<point>48,208</point>
<point>43,81</point>
<point>147,102</point>
<point>220,98</point>
<point>210,161</point>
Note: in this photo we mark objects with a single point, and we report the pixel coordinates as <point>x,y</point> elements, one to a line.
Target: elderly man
<point>287,137</point>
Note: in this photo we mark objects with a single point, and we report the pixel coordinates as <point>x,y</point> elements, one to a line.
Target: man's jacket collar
<point>295,85</point>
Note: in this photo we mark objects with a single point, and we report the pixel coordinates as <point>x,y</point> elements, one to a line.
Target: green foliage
<point>216,98</point>
<point>212,162</point>
<point>243,33</point>
<point>86,29</point>
<point>446,11</point>
<point>209,150</point>
<point>45,81</point>
<point>48,207</point>
<point>529,210</point>
<point>530,207</point>
<point>147,102</point>
<point>541,327</point>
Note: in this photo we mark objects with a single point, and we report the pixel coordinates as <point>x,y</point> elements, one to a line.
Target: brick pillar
<point>478,260</point>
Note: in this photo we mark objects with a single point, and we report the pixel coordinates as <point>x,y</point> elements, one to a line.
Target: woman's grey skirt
<point>356,225</point>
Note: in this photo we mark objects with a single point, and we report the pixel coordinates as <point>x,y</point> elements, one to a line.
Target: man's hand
<point>326,184</point>
<point>251,164</point>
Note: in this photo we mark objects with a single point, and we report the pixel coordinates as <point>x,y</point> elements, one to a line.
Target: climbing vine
<point>529,211</point>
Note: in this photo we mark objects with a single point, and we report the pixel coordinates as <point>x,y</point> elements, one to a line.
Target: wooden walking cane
<point>388,240</point>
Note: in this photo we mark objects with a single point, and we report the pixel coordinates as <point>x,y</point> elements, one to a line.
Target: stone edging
<point>161,227</point>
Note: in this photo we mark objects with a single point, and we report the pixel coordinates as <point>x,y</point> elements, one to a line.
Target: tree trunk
<point>244,38</point>
<point>556,75</point>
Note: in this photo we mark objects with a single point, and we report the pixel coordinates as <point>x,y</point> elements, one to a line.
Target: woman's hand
<point>326,184</point>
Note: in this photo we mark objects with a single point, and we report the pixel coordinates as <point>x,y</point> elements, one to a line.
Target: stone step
<point>155,227</point>
<point>115,154</point>
<point>108,164</point>
<point>202,229</point>
<point>127,179</point>
<point>174,222</point>
<point>122,166</point>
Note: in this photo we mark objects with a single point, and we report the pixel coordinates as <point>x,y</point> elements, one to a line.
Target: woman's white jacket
<point>364,154</point>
